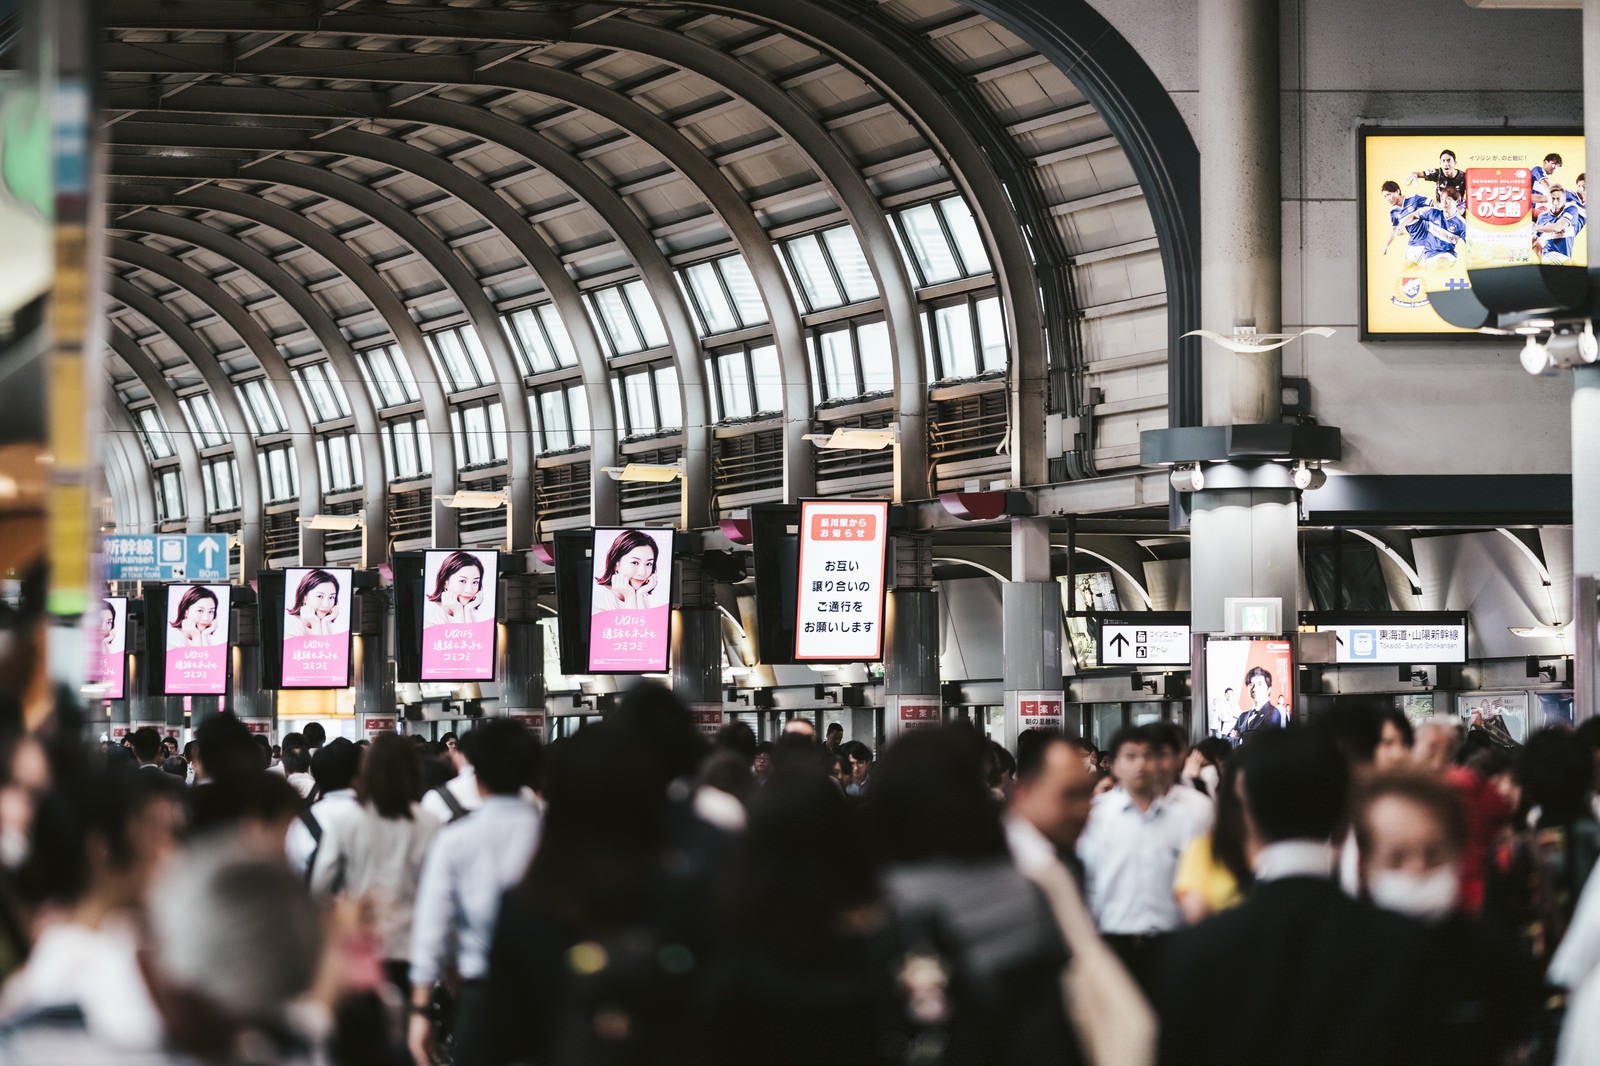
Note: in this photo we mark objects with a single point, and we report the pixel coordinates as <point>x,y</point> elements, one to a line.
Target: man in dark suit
<point>1263,715</point>
<point>1299,973</point>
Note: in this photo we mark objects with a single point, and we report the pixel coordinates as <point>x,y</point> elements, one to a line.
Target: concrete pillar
<point>118,723</point>
<point>1244,541</point>
<point>522,653</point>
<point>910,639</point>
<point>1031,613</point>
<point>697,639</point>
<point>1240,219</point>
<point>1586,506</point>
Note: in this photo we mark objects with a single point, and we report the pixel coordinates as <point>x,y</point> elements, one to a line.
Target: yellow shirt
<point>1200,873</point>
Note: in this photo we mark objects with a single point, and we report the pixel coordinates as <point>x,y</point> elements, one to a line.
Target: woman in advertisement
<point>457,596</point>
<point>315,610</point>
<point>196,619</point>
<point>629,576</point>
<point>108,628</point>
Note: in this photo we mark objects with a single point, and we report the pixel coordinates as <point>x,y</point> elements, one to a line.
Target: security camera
<point>1536,358</point>
<point>1568,345</point>
<point>1306,476</point>
<point>1188,478</point>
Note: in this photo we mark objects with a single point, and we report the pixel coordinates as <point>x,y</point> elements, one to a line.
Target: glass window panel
<point>281,481</point>
<point>156,437</point>
<point>766,378</point>
<point>927,345</point>
<point>713,389</point>
<point>206,419</point>
<point>459,437</point>
<point>476,355</point>
<point>324,473</point>
<point>475,425</point>
<point>497,430</point>
<point>964,228</point>
<point>850,263</point>
<point>670,403</point>
<point>208,482</point>
<point>953,326</point>
<point>618,324</point>
<point>811,270</point>
<point>402,376</point>
<point>837,357</point>
<point>733,384</point>
<point>452,359</point>
<point>228,486</point>
<point>533,349</point>
<point>747,300</point>
<point>716,313</point>
<point>617,406</point>
<point>641,403</point>
<point>553,415</point>
<point>556,331</point>
<point>877,361</point>
<point>991,334</point>
<point>929,246</point>
<point>644,309</point>
<point>171,495</point>
<point>578,412</point>
<point>389,377</point>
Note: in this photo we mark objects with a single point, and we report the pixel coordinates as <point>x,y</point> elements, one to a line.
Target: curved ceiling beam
<point>322,326</point>
<point>137,510</point>
<point>387,20</point>
<point>155,383</point>
<point>924,104</point>
<point>469,190</point>
<point>251,511</point>
<point>407,337</point>
<point>411,231</point>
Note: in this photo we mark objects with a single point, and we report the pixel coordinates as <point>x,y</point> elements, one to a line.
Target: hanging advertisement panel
<point>196,640</point>
<point>317,606</point>
<point>458,628</point>
<point>839,606</point>
<point>1249,685</point>
<point>630,606</point>
<point>109,655</point>
<point>1436,204</point>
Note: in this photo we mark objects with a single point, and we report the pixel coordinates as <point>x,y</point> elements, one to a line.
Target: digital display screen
<point>839,602</point>
<point>1249,685</point>
<point>630,606</point>
<point>317,608</point>
<point>196,639</point>
<point>109,655</point>
<point>458,609</point>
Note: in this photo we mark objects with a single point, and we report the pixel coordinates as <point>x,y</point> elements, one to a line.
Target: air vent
<point>634,495</point>
<point>282,536</point>
<point>837,464</point>
<point>486,527</point>
<point>411,515</point>
<point>562,491</point>
<point>749,463</point>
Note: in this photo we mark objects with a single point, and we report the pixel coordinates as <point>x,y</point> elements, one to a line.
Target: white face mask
<point>13,849</point>
<point>1430,896</point>
<point>1212,777</point>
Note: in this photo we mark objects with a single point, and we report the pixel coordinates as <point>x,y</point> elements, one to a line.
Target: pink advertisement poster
<point>108,655</point>
<point>316,627</point>
<point>631,608</point>
<point>458,636</point>
<point>197,640</point>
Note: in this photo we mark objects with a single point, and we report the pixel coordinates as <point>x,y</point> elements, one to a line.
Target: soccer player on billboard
<point>1555,228</point>
<point>1444,231</point>
<point>1402,208</point>
<point>1445,177</point>
<point>1540,177</point>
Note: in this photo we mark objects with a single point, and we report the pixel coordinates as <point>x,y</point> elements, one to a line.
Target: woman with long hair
<point>457,596</point>
<point>1214,870</point>
<point>376,857</point>
<point>196,621</point>
<point>316,606</point>
<point>630,575</point>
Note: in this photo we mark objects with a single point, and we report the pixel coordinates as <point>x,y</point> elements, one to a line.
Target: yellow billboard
<point>1438,203</point>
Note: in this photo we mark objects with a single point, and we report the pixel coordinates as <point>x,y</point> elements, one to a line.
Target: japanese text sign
<point>630,607</point>
<point>839,609</point>
<point>316,627</point>
<point>108,653</point>
<point>458,634</point>
<point>197,640</point>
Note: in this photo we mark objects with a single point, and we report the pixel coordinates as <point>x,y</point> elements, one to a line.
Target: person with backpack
<point>334,769</point>
<point>458,796</point>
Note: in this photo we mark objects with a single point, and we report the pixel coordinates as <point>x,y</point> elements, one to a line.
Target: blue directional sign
<point>166,557</point>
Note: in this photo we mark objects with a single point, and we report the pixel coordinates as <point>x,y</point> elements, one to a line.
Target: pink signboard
<point>316,627</point>
<point>108,654</point>
<point>197,640</point>
<point>458,635</point>
<point>630,616</point>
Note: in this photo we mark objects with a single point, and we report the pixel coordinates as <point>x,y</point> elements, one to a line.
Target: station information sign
<point>196,640</point>
<point>458,634</point>
<point>1041,710</point>
<point>1130,641</point>
<point>1399,642</point>
<point>108,655</point>
<point>317,607</point>
<point>630,607</point>
<point>165,557</point>
<point>839,606</point>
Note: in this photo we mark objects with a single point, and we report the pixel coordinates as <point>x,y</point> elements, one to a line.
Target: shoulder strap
<point>63,1016</point>
<point>457,811</point>
<point>313,826</point>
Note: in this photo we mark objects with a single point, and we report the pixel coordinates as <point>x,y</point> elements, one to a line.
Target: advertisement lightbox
<point>630,605</point>
<point>1249,685</point>
<point>109,656</point>
<point>317,608</point>
<point>196,640</point>
<point>1436,203</point>
<point>458,628</point>
<point>839,599</point>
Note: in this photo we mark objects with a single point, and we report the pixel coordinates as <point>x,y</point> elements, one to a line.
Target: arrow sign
<point>209,548</point>
<point>1133,641</point>
<point>1118,644</point>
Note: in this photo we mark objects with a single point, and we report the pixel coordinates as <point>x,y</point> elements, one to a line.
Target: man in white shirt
<point>458,796</point>
<point>1168,750</point>
<point>469,866</point>
<point>1130,850</point>
<point>1049,804</point>
<point>334,768</point>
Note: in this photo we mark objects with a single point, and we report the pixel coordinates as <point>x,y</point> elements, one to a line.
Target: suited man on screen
<point>1262,715</point>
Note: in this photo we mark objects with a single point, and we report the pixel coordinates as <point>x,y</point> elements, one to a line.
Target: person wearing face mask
<point>1412,834</point>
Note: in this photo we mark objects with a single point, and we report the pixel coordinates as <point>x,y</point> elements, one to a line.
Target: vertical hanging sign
<point>458,636</point>
<point>839,608</point>
<point>630,607</point>
<point>316,627</point>
<point>197,640</point>
<point>108,653</point>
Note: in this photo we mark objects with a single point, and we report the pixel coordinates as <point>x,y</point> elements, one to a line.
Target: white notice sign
<point>1403,643</point>
<point>1132,644</point>
<point>839,609</point>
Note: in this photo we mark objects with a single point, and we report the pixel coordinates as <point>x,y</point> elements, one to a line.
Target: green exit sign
<point>1260,616</point>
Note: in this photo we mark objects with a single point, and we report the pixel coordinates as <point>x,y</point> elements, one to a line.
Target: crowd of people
<point>1350,889</point>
